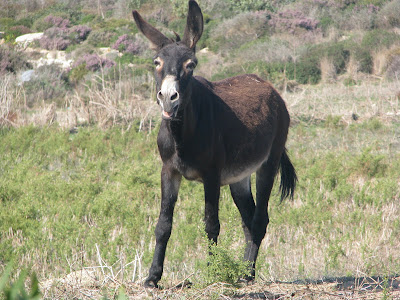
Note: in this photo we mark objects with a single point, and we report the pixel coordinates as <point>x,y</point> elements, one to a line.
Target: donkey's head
<point>175,60</point>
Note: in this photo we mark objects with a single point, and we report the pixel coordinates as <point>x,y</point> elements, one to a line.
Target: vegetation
<point>79,167</point>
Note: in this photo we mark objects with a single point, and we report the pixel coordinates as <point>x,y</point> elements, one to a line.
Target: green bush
<point>49,84</point>
<point>101,38</point>
<point>370,164</point>
<point>78,73</point>
<point>250,5</point>
<point>378,39</point>
<point>304,71</point>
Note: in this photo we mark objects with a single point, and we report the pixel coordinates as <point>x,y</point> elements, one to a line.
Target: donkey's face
<point>175,60</point>
<point>174,65</point>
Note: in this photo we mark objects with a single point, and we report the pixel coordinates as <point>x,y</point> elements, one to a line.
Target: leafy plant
<point>16,290</point>
<point>223,266</point>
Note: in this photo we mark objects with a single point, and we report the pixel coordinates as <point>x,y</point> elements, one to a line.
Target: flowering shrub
<point>80,32</point>
<point>93,62</point>
<point>127,44</point>
<point>19,30</point>
<point>55,38</point>
<point>11,61</point>
<point>290,20</point>
<point>60,36</point>
<point>57,21</point>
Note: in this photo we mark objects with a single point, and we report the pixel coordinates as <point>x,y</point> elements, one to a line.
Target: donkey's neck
<point>194,118</point>
<point>182,128</point>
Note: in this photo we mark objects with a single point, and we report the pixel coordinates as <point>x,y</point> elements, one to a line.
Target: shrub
<point>370,164</point>
<point>11,60</point>
<point>60,37</point>
<point>249,5</point>
<point>55,38</point>
<point>78,73</point>
<point>306,71</point>
<point>268,49</point>
<point>291,20</point>
<point>80,33</point>
<point>20,30</point>
<point>101,38</point>
<point>389,15</point>
<point>378,39</point>
<point>55,21</point>
<point>49,84</point>
<point>127,44</point>
<point>93,62</point>
<point>241,29</point>
<point>393,70</point>
<point>49,21</point>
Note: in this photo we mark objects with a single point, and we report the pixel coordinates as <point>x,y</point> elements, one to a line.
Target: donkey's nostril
<point>174,96</point>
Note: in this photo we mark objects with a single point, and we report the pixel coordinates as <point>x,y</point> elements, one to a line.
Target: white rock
<point>28,38</point>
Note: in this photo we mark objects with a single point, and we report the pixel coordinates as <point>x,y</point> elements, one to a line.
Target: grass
<point>62,194</point>
<point>88,201</point>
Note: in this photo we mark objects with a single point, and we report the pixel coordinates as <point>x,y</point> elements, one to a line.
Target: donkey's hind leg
<point>264,183</point>
<point>243,198</point>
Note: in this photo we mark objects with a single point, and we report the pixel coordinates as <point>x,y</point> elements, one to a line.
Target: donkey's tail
<point>288,177</point>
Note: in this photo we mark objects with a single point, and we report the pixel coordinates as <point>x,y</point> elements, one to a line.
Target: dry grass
<point>8,106</point>
<point>103,102</point>
<point>89,284</point>
<point>328,70</point>
<point>107,103</point>
<point>370,98</point>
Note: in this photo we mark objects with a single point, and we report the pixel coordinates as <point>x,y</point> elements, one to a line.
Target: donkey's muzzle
<point>168,97</point>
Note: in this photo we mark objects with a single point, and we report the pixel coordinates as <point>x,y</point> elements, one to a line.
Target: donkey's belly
<point>231,173</point>
<point>228,176</point>
<point>238,173</point>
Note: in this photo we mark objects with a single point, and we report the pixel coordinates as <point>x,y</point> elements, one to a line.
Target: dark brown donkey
<point>217,133</point>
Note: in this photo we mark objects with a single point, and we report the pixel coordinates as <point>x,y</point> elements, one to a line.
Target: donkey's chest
<point>186,169</point>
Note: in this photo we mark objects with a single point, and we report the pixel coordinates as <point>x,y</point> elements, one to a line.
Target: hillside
<point>79,167</point>
<point>96,44</point>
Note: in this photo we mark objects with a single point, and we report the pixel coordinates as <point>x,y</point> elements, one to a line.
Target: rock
<point>26,39</point>
<point>26,76</point>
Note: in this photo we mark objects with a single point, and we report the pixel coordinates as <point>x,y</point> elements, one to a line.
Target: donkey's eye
<point>157,62</point>
<point>190,66</point>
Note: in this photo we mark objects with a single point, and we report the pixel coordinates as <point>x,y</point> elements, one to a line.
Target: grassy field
<point>82,205</point>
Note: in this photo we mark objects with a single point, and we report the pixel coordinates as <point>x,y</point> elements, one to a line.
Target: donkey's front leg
<point>170,182</point>
<point>211,219</point>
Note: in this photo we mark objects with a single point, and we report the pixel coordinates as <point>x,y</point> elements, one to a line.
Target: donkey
<point>217,133</point>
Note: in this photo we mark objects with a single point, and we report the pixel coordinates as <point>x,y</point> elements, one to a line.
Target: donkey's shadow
<point>328,287</point>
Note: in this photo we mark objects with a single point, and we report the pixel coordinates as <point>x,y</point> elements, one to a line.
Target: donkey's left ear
<point>194,25</point>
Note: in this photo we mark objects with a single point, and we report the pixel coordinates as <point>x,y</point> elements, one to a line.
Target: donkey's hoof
<point>246,280</point>
<point>150,284</point>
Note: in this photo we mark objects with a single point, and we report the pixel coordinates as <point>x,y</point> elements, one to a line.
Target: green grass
<point>61,194</point>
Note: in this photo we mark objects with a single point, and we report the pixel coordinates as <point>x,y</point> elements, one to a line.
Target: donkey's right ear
<point>157,39</point>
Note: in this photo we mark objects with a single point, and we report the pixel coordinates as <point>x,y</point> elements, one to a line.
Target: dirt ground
<point>86,284</point>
